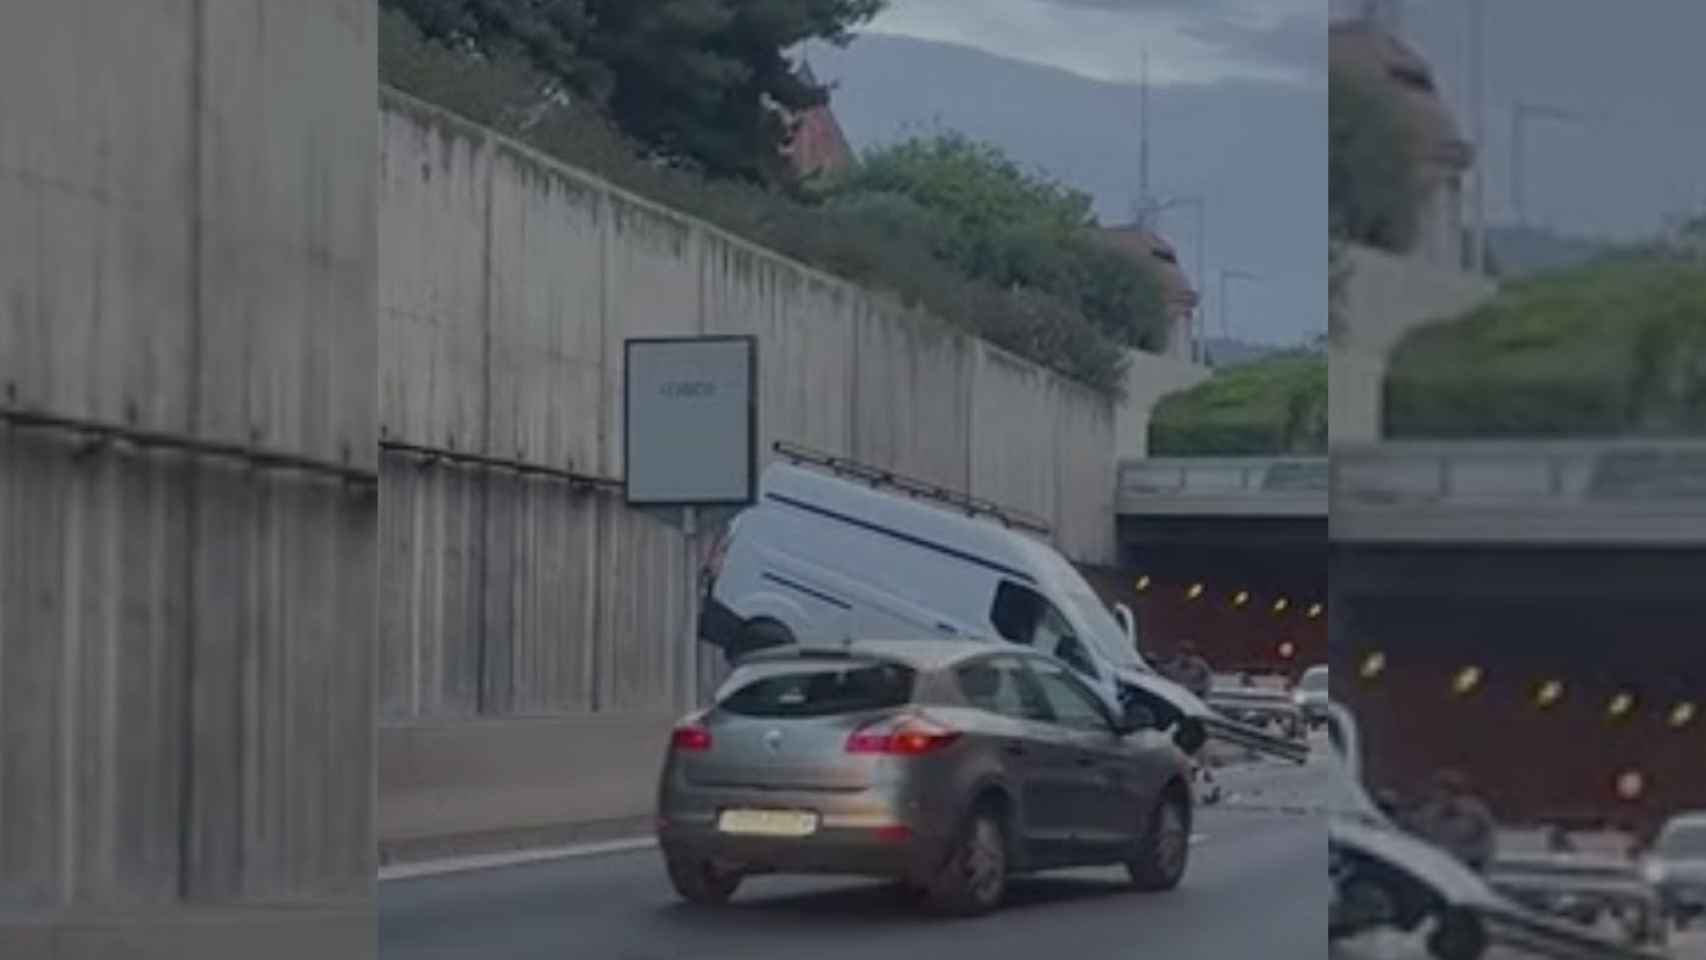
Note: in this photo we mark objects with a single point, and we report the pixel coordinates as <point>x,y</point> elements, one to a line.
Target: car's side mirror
<point>1136,717</point>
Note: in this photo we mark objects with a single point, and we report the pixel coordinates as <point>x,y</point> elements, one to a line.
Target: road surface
<point>1257,887</point>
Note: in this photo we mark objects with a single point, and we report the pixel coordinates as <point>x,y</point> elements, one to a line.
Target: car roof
<point>923,655</point>
<point>1692,819</point>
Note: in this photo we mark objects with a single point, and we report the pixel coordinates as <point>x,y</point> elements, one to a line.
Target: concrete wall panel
<point>1149,378</point>
<point>97,175</point>
<point>545,317</point>
<point>652,288</point>
<point>1086,475</point>
<point>186,641</point>
<point>1014,447</point>
<point>913,399</point>
<point>1384,298</point>
<point>433,213</point>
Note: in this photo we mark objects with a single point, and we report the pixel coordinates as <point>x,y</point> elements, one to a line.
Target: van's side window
<point>1022,615</point>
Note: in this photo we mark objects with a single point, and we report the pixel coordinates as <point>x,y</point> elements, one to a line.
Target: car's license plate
<point>768,823</point>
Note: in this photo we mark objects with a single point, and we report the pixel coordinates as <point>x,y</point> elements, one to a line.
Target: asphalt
<point>1257,887</point>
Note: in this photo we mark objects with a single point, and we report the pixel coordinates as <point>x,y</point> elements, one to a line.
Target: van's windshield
<point>1105,632</point>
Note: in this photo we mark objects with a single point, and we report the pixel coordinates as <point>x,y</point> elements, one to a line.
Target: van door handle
<point>947,628</point>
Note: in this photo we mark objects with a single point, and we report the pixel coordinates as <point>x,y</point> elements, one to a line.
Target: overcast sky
<point>1238,115</point>
<point>1190,41</point>
<point>1632,71</point>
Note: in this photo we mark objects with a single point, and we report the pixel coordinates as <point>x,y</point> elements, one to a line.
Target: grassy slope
<point>1614,347</point>
<point>1272,406</point>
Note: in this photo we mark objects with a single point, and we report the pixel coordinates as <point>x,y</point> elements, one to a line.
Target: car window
<point>1026,617</point>
<point>1314,680</point>
<point>1071,704</point>
<point>819,690</point>
<point>999,686</point>
<point>1684,842</point>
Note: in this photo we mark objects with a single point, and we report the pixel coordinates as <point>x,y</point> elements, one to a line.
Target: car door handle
<point>1084,761</point>
<point>1015,749</point>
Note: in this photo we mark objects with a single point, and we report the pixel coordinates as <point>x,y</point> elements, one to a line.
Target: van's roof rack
<point>923,490</point>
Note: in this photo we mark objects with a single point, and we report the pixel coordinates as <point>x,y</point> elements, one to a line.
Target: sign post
<point>690,446</point>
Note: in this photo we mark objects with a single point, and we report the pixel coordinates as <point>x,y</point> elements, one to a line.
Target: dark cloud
<point>1299,42</point>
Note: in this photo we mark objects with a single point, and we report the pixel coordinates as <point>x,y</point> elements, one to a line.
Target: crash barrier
<point>1260,708</point>
<point>1584,890</point>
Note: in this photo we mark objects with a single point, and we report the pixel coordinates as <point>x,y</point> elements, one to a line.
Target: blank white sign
<point>689,433</point>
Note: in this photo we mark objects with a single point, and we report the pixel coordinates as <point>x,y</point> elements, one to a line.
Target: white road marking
<point>497,861</point>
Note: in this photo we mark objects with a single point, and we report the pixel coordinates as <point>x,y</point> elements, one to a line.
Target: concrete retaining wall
<point>555,624</point>
<point>1384,298</point>
<point>1150,378</point>
<point>186,642</point>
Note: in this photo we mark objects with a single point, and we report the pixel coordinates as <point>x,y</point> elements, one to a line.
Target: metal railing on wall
<point>427,456</point>
<point>92,436</point>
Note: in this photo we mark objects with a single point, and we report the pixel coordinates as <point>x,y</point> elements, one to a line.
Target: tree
<point>1014,229</point>
<point>697,82</point>
<point>1373,170</point>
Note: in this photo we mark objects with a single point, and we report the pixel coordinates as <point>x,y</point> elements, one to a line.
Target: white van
<point>821,560</point>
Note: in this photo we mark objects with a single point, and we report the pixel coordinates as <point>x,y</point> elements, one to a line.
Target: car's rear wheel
<point>973,882</point>
<point>1164,849</point>
<point>702,881</point>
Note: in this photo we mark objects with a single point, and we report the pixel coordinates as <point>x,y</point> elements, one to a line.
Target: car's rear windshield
<point>1685,840</point>
<point>818,689</point>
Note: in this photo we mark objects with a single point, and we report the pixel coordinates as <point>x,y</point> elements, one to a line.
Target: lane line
<point>498,861</point>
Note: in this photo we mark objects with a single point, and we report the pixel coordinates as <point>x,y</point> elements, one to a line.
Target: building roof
<point>1158,257</point>
<point>819,145</point>
<point>1371,51</point>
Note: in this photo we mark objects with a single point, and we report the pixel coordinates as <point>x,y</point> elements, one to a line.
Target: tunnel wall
<point>186,640</point>
<point>1279,563</point>
<point>545,630</point>
<point>1599,622</point>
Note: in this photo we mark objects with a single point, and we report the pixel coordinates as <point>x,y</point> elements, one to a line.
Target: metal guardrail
<point>428,456</point>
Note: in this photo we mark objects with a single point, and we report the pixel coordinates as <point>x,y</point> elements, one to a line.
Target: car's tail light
<point>909,737</point>
<point>690,738</point>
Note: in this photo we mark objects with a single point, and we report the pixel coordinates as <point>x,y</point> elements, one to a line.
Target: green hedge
<point>1615,347</point>
<point>1275,406</point>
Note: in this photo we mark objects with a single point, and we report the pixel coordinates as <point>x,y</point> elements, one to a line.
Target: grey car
<point>945,766</point>
<point>1312,695</point>
<point>1676,865</point>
